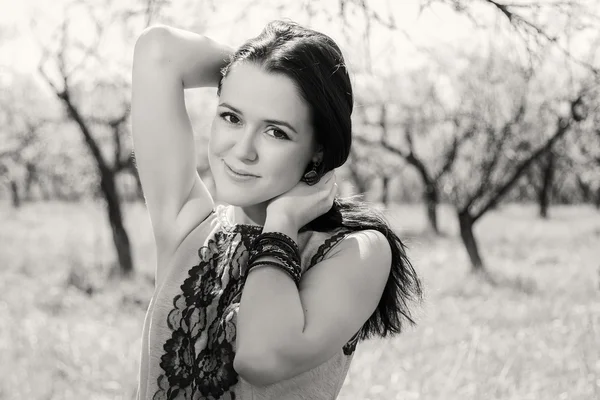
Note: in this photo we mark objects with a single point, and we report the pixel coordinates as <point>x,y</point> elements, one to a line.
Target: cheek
<point>220,142</point>
<point>287,164</point>
<point>286,171</point>
<point>215,141</point>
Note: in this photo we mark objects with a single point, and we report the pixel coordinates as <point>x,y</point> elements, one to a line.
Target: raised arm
<point>167,60</point>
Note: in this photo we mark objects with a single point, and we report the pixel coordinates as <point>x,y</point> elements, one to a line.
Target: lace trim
<point>221,212</point>
<point>327,245</point>
<point>323,249</point>
<point>350,346</point>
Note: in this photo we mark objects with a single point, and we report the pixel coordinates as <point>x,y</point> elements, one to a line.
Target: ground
<point>69,332</point>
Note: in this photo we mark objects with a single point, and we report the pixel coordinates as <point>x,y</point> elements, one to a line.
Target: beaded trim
<point>221,211</point>
<point>327,245</point>
<point>282,248</point>
<point>292,273</point>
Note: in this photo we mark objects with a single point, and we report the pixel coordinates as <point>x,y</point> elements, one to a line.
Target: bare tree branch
<point>522,25</point>
<point>495,146</point>
<point>43,73</point>
<point>368,12</point>
<point>89,51</point>
<point>452,152</point>
<point>562,127</point>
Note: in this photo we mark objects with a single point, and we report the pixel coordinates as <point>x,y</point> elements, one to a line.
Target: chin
<point>234,196</point>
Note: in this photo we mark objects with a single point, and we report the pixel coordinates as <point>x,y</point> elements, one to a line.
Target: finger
<point>334,190</point>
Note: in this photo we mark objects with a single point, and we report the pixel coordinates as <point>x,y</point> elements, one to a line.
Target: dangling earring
<point>312,177</point>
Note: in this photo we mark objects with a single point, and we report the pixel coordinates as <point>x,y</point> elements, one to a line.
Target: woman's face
<point>262,127</point>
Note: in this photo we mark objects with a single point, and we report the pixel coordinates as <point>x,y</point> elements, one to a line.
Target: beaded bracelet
<point>282,248</point>
<point>283,257</point>
<point>275,242</point>
<point>274,251</point>
<point>282,238</point>
<point>284,262</point>
<point>293,273</point>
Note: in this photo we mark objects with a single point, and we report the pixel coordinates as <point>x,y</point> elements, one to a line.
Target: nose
<point>244,149</point>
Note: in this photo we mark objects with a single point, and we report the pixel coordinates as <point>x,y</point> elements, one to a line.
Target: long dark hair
<point>315,63</point>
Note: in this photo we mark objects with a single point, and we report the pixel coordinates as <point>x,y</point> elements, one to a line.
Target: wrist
<point>281,224</point>
<point>277,246</point>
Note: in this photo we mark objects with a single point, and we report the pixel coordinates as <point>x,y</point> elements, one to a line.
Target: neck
<point>250,215</point>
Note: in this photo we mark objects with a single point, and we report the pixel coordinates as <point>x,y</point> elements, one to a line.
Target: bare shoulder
<point>360,257</point>
<point>340,293</point>
<point>369,245</point>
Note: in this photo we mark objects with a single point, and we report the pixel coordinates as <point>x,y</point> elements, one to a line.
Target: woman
<point>265,297</point>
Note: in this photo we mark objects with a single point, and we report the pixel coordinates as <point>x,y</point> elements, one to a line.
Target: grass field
<point>68,331</point>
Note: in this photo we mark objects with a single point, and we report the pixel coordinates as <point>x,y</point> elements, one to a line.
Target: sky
<point>20,51</point>
<point>437,27</point>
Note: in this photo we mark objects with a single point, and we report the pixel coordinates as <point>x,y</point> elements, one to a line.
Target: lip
<point>238,174</point>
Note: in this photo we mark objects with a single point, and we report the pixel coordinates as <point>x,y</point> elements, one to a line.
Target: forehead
<point>265,95</point>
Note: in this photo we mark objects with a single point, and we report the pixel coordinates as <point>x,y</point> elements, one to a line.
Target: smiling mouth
<point>241,175</point>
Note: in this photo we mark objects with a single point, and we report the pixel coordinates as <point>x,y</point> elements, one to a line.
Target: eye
<point>278,134</point>
<point>230,118</point>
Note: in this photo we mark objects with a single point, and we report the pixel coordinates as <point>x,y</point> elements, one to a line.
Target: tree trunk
<point>584,188</point>
<point>430,191</point>
<point>385,190</point>
<point>358,181</point>
<point>44,189</point>
<point>431,198</point>
<point>107,186</point>
<point>466,223</point>
<point>29,179</point>
<point>545,190</point>
<point>115,219</point>
<point>14,189</point>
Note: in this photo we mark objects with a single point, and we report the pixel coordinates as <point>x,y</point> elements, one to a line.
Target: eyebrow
<point>269,121</point>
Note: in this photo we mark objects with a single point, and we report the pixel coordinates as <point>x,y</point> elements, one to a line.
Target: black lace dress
<point>190,327</point>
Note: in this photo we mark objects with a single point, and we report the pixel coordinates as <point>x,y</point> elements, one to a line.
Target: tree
<point>504,158</point>
<point>24,113</point>
<point>417,129</point>
<point>584,156</point>
<point>547,175</point>
<point>547,171</point>
<point>353,166</point>
<point>503,148</point>
<point>67,57</point>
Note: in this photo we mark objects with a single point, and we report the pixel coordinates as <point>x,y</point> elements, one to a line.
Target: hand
<point>304,203</point>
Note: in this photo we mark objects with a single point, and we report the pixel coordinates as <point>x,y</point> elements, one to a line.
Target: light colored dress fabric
<point>188,341</point>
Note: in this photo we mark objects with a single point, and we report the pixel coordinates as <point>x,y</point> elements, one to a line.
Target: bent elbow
<point>153,43</point>
<point>258,370</point>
